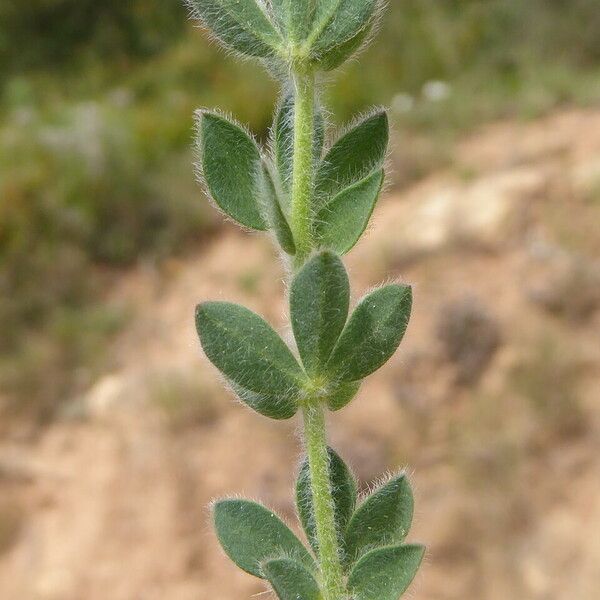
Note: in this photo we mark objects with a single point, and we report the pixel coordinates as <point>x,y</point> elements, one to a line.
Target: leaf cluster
<point>262,188</point>
<point>336,351</point>
<point>315,34</point>
<point>377,564</point>
<point>252,185</point>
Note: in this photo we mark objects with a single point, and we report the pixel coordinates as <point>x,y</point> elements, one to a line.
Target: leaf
<point>356,154</point>
<point>383,519</point>
<point>343,487</point>
<point>279,10</point>
<point>341,222</point>
<point>372,334</point>
<point>386,573</point>
<point>230,163</point>
<point>274,214</point>
<point>338,21</point>
<point>295,15</point>
<point>239,24</point>
<point>290,580</point>
<point>274,407</point>
<point>341,395</point>
<point>283,139</point>
<point>250,534</point>
<point>336,56</point>
<point>319,302</point>
<point>247,350</point>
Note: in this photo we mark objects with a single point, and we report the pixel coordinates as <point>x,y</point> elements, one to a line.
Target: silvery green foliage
<point>252,357</point>
<point>376,562</point>
<point>336,352</point>
<point>290,580</point>
<point>231,169</point>
<point>319,304</point>
<point>372,334</point>
<point>242,25</point>
<point>348,180</point>
<point>251,535</point>
<point>385,573</point>
<point>321,34</point>
<point>335,346</point>
<point>383,519</point>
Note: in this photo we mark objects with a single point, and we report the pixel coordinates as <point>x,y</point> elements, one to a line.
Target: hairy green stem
<point>314,416</point>
<point>318,460</point>
<point>304,117</point>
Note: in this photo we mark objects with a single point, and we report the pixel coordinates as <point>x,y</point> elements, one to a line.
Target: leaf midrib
<point>375,330</point>
<point>259,34</point>
<point>331,200</point>
<point>320,27</point>
<point>277,366</point>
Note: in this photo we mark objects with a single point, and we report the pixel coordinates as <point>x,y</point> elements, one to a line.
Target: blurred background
<point>115,432</point>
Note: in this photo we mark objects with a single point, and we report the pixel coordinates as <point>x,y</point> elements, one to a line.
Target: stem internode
<point>304,117</point>
<point>318,460</point>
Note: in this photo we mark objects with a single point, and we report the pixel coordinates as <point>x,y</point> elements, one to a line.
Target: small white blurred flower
<point>403,103</point>
<point>436,91</point>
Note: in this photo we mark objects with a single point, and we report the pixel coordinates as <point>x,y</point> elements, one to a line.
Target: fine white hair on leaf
<point>374,27</point>
<point>372,486</point>
<point>281,553</point>
<point>358,119</point>
<point>389,281</point>
<point>356,20</point>
<point>369,166</point>
<point>238,496</point>
<point>257,29</point>
<point>247,31</point>
<point>199,113</point>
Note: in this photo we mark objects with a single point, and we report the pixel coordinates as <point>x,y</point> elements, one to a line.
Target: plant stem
<point>314,416</point>
<point>318,460</point>
<point>304,118</point>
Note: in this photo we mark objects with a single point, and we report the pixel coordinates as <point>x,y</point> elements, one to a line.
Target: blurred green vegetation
<point>96,103</point>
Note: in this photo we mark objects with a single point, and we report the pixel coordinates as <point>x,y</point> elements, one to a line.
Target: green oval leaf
<point>347,19</point>
<point>239,24</point>
<point>341,395</point>
<point>341,222</point>
<point>230,165</point>
<point>250,534</point>
<point>290,580</point>
<point>343,487</point>
<point>319,302</point>
<point>383,519</point>
<point>356,154</point>
<point>386,573</point>
<point>336,56</point>
<point>274,407</point>
<point>282,139</point>
<point>274,213</point>
<point>295,16</point>
<point>372,334</point>
<point>247,350</point>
